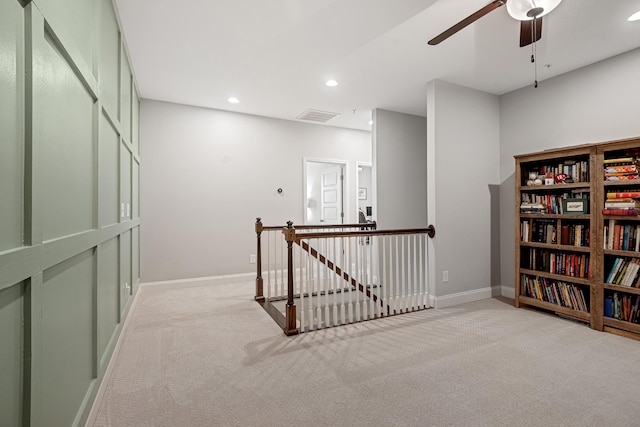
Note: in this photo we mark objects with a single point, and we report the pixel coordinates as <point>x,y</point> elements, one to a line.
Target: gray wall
<point>208,174</point>
<point>399,169</point>
<point>68,160</point>
<point>593,104</point>
<point>463,141</point>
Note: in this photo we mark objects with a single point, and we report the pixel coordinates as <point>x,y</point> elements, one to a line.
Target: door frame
<point>347,193</point>
<point>357,186</point>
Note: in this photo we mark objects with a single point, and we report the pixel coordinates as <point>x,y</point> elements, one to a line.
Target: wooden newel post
<point>259,291</point>
<point>290,236</point>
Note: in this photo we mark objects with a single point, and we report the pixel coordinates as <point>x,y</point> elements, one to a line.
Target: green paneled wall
<point>11,130</point>
<point>67,337</point>
<point>135,190</point>
<point>125,268</point>
<point>109,172</point>
<point>67,145</point>
<point>109,57</point>
<point>69,159</point>
<point>12,339</point>
<point>108,298</point>
<point>125,97</point>
<point>74,21</point>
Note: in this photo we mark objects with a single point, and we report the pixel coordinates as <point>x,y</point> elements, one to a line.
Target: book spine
<point>620,212</point>
<point>618,160</point>
<point>623,195</point>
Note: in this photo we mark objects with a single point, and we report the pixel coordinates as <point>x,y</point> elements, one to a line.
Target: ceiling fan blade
<point>526,32</point>
<point>467,21</point>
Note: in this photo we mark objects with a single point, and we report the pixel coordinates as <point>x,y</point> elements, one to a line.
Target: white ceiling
<point>275,55</point>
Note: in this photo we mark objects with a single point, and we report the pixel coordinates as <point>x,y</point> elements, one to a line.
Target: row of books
<point>625,307</point>
<point>624,272</point>
<point>554,291</point>
<point>573,265</point>
<point>546,231</point>
<point>548,203</point>
<point>540,231</point>
<point>622,203</point>
<point>577,170</point>
<point>621,237</point>
<point>620,169</point>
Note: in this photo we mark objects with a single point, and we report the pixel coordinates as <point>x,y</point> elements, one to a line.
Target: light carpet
<point>204,354</point>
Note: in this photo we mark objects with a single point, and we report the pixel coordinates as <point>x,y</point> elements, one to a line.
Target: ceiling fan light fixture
<point>526,10</point>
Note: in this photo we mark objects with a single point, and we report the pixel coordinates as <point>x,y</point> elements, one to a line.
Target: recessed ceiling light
<point>634,17</point>
<point>370,122</point>
<point>331,83</point>
<point>233,100</point>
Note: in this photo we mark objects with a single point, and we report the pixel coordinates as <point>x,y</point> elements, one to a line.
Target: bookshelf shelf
<point>555,216</point>
<point>558,247</point>
<point>625,289</point>
<point>631,254</point>
<point>635,182</point>
<point>555,187</point>
<point>576,314</point>
<point>559,277</point>
<point>599,179</point>
<point>621,325</point>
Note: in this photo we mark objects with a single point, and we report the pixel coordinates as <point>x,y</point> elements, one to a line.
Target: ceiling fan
<point>528,12</point>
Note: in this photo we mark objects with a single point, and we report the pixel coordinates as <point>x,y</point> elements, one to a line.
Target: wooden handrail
<point>322,227</point>
<point>429,231</point>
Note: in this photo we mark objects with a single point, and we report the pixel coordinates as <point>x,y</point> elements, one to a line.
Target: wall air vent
<point>317,116</point>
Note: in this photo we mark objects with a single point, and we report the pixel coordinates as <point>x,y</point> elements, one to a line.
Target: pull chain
<point>534,52</point>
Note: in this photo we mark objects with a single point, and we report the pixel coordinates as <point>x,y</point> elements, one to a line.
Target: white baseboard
<point>463,297</point>
<point>230,278</point>
<point>508,291</point>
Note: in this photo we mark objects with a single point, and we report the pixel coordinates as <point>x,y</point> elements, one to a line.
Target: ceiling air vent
<point>317,116</point>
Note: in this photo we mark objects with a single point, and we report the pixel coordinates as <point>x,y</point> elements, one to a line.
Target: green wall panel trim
<point>11,355</point>
<point>109,57</point>
<point>108,172</point>
<point>34,30</point>
<point>126,285</point>
<point>58,250</point>
<point>73,23</point>
<point>79,67</point>
<point>18,265</point>
<point>125,96</point>
<point>33,338</point>
<point>135,122</point>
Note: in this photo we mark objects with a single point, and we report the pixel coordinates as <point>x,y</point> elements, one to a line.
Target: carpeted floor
<point>202,354</point>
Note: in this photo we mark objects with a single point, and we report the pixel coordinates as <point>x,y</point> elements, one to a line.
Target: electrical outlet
<point>445,276</point>
<point>127,288</point>
<point>252,259</point>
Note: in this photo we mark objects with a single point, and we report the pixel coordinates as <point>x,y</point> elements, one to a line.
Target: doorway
<point>324,192</point>
<point>364,187</point>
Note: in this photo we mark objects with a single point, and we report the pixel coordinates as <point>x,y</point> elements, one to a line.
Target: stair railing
<point>343,274</point>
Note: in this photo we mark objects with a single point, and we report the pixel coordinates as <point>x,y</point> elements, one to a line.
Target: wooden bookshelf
<point>548,263</point>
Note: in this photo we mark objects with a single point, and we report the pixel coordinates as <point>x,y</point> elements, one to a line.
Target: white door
<point>331,195</point>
